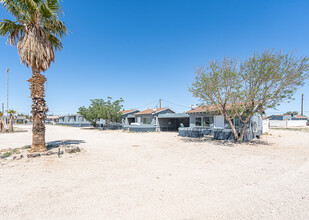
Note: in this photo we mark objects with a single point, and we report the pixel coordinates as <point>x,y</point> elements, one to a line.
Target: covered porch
<point>172,122</point>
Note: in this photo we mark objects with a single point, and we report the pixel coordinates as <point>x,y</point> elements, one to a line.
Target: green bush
<point>6,154</point>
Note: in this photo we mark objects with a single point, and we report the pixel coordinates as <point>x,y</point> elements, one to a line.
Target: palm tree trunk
<point>39,109</point>
<point>11,123</point>
<point>1,125</point>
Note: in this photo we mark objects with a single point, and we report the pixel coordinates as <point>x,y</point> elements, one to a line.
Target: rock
<point>48,153</point>
<point>33,155</point>
<point>11,157</point>
<point>20,156</point>
<point>72,150</point>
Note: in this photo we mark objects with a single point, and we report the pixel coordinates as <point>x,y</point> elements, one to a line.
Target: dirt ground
<point>123,175</point>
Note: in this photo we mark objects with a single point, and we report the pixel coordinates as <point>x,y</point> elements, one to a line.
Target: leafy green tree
<point>291,113</point>
<point>37,31</point>
<point>270,79</point>
<point>99,109</point>
<point>218,85</point>
<point>261,82</point>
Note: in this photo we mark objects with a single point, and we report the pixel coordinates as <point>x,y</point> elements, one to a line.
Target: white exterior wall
<point>219,121</point>
<point>286,123</point>
<point>265,125</point>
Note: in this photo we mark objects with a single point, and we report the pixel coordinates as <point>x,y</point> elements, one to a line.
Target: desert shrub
<point>26,147</point>
<point>6,154</point>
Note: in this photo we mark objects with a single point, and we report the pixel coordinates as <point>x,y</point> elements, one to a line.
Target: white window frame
<point>200,121</point>
<point>204,125</point>
<point>146,120</point>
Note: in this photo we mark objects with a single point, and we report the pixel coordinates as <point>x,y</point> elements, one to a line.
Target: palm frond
<point>54,5</point>
<point>37,30</point>
<point>55,42</point>
<point>30,6</point>
<point>11,111</point>
<point>12,29</point>
<point>45,12</point>
<point>55,27</point>
<point>15,8</point>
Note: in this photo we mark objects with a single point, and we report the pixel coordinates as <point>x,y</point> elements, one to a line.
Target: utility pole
<point>160,102</point>
<point>7,92</point>
<point>302,104</point>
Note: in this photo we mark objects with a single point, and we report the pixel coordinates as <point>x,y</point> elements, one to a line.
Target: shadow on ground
<point>209,140</point>
<point>229,143</point>
<point>55,144</point>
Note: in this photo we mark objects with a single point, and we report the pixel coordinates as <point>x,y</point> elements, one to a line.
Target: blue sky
<point>145,50</point>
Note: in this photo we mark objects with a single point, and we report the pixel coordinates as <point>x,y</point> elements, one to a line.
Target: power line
<point>176,104</point>
<point>147,104</point>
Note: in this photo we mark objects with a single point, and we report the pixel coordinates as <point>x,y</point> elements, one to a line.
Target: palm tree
<point>11,112</point>
<point>37,32</point>
<point>1,122</point>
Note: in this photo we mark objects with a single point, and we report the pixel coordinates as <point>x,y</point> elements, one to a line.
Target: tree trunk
<point>1,126</point>
<point>108,124</point>
<point>233,129</point>
<point>39,109</point>
<point>11,123</point>
<point>244,128</point>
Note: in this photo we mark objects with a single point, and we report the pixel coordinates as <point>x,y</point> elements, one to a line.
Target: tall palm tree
<point>11,112</point>
<point>37,32</point>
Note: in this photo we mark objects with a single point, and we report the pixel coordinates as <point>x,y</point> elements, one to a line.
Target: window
<point>206,121</point>
<point>146,120</point>
<point>237,122</point>
<point>198,121</point>
<point>155,120</point>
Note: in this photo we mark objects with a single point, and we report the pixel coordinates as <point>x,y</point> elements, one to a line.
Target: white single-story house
<point>157,119</point>
<point>206,120</point>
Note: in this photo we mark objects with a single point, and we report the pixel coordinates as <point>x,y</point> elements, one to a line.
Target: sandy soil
<point>157,176</point>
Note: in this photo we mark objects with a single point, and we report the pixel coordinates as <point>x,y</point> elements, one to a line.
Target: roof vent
<point>192,106</point>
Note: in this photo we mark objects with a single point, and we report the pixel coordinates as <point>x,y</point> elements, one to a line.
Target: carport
<point>131,119</point>
<point>171,122</point>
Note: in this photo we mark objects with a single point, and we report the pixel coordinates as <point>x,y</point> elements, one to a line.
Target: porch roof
<point>173,115</point>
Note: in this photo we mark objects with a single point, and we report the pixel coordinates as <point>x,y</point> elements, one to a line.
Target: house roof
<point>151,111</point>
<point>128,111</point>
<point>212,108</point>
<point>295,116</point>
<point>300,116</point>
<point>52,117</point>
<point>206,108</point>
<point>21,117</point>
<point>173,115</point>
<point>203,108</point>
<point>61,116</point>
